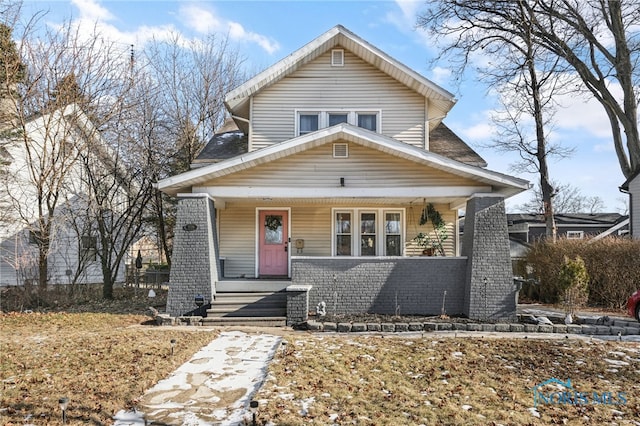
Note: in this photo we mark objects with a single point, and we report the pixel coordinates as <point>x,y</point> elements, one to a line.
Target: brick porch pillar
<point>194,265</point>
<point>490,293</point>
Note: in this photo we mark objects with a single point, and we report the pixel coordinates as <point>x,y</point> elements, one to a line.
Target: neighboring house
<point>632,187</point>
<point>71,258</point>
<point>529,228</point>
<point>320,190</point>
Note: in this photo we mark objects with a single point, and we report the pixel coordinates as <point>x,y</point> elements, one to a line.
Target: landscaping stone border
<point>617,327</point>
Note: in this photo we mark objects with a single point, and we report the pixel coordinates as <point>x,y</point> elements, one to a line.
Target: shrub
<point>613,266</point>
<point>574,283</point>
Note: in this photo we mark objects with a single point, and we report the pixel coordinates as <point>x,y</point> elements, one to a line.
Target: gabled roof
<point>237,101</point>
<point>229,141</point>
<point>502,184</point>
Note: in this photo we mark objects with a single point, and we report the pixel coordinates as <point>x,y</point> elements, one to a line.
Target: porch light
<point>63,403</point>
<point>341,181</point>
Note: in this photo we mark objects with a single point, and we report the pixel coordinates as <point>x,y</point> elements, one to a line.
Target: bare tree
<point>526,77</point>
<point>194,77</point>
<point>65,73</point>
<point>598,42</point>
<point>566,199</point>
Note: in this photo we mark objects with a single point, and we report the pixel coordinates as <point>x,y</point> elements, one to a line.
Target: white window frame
<point>323,117</point>
<point>575,235</point>
<point>377,114</point>
<point>356,236</point>
<point>340,54</point>
<point>311,112</point>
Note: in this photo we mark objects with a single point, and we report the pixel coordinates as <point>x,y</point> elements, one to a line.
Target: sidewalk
<point>214,387</point>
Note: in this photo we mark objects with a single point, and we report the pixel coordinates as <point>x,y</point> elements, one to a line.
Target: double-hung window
<point>367,232</point>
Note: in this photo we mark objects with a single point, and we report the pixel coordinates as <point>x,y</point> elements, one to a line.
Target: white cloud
<point>200,19</point>
<point>440,75</point>
<point>204,21</point>
<point>479,132</point>
<point>94,18</point>
<point>237,32</point>
<point>92,10</point>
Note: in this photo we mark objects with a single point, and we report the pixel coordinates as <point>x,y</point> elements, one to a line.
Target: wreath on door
<point>272,222</point>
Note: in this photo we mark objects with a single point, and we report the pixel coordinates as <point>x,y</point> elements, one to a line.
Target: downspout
<point>626,191</point>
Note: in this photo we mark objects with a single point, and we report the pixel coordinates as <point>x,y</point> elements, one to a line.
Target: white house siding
<point>236,239</point>
<point>312,223</point>
<point>355,86</point>
<point>365,168</point>
<point>634,189</point>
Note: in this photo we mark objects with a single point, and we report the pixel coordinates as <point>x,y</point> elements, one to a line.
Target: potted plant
<point>432,243</point>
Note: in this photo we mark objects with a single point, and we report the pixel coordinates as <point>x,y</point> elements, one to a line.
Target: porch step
<point>248,308</point>
<point>245,321</point>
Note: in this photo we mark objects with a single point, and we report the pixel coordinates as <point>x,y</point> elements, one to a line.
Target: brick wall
<point>194,269</point>
<point>404,286</point>
<point>490,292</point>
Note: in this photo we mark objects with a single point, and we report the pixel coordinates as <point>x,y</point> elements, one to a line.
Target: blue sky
<point>266,31</point>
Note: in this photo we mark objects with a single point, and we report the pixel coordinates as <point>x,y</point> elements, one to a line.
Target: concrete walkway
<point>213,388</point>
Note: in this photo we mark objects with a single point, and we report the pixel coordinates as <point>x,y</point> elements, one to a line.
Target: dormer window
<point>337,58</point>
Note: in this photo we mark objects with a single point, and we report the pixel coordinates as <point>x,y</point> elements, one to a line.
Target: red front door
<point>273,248</point>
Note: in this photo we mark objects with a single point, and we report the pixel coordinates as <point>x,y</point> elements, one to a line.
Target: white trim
<point>324,113</point>
<point>509,185</point>
<point>575,235</point>
<point>341,150</point>
<point>337,35</point>
<point>339,60</point>
<point>355,229</point>
<point>256,238</point>
<point>229,192</point>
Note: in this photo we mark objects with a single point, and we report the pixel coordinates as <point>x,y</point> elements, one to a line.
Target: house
<point>53,139</point>
<point>632,187</point>
<point>319,189</point>
<point>530,227</point>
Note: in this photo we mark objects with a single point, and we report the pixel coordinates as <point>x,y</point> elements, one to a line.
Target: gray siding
<point>403,286</point>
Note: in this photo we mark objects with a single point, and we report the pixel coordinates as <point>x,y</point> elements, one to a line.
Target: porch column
<point>490,293</point>
<point>194,262</point>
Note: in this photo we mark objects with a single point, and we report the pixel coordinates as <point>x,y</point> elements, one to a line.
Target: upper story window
<point>368,121</point>
<point>335,118</point>
<point>310,121</point>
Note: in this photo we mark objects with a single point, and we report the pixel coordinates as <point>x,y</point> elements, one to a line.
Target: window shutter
<point>340,150</point>
<point>337,58</point>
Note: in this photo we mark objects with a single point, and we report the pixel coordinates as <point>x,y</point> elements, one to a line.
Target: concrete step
<point>247,311</point>
<point>276,321</point>
<point>241,308</point>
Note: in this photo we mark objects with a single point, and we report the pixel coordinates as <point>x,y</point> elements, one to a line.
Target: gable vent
<point>340,150</point>
<point>337,58</point>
